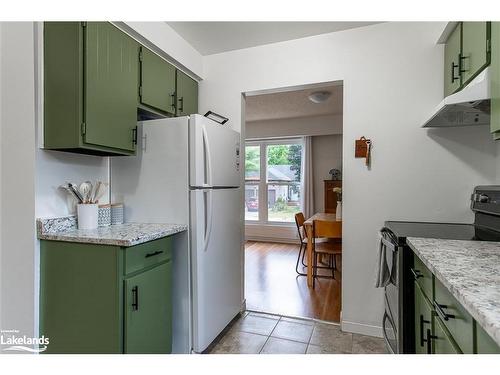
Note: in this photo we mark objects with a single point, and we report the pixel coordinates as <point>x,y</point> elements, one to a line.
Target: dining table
<point>308,225</point>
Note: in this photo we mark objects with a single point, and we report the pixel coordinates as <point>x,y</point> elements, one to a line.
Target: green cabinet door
<point>81,298</point>
<point>484,343</point>
<point>442,343</point>
<point>187,95</point>
<point>111,74</point>
<point>62,84</point>
<point>423,322</point>
<point>495,80</point>
<point>475,55</point>
<point>148,317</point>
<point>455,317</point>
<point>452,61</point>
<point>157,89</point>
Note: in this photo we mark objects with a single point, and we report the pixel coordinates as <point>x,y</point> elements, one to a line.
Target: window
<point>252,180</point>
<point>273,175</point>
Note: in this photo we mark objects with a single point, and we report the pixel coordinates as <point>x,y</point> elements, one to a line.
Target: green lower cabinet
<point>442,342</point>
<point>495,80</point>
<point>104,299</point>
<point>148,316</point>
<point>443,326</point>
<point>187,95</point>
<point>81,297</point>
<point>423,322</point>
<point>484,342</point>
<point>455,317</point>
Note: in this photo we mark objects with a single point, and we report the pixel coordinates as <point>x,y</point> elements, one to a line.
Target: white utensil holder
<point>87,216</point>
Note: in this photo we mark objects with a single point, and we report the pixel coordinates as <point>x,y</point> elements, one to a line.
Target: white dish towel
<point>383,274</point>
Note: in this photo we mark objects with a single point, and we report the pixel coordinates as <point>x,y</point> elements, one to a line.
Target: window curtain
<point>307,178</point>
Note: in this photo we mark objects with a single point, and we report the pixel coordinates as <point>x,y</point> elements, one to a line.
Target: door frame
<point>244,95</point>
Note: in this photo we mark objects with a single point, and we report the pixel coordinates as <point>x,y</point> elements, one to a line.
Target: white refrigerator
<point>187,171</point>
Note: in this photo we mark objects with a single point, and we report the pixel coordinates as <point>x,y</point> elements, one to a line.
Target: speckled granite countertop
<point>471,272</point>
<point>129,234</point>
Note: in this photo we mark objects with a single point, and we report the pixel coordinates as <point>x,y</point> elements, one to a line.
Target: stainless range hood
<point>469,106</point>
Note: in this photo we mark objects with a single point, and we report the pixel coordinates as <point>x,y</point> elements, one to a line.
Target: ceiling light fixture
<point>319,96</point>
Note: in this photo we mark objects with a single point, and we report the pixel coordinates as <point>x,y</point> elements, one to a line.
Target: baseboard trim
<point>272,239</point>
<point>362,329</point>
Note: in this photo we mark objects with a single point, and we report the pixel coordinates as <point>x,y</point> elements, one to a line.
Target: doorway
<point>293,142</point>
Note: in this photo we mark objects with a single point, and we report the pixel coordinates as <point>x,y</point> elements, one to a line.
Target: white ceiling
<point>214,37</point>
<point>293,104</point>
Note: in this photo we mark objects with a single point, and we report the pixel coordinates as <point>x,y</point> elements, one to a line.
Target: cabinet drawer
<point>454,317</point>
<point>147,254</point>
<point>423,276</point>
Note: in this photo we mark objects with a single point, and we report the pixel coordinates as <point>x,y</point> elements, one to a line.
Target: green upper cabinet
<point>187,95</point>
<point>90,88</point>
<point>475,54</point>
<point>495,80</point>
<point>452,51</point>
<point>466,54</point>
<point>157,86</point>
<point>110,87</point>
<point>148,317</point>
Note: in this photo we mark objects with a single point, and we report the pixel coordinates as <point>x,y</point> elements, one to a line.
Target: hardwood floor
<point>273,286</point>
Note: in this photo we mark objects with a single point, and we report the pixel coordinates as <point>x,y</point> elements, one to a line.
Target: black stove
<point>398,294</point>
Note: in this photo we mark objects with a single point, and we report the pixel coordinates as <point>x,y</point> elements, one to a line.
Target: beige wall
<point>327,154</point>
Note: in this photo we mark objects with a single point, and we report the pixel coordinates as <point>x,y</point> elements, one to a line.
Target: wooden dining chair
<point>332,231</point>
<point>299,222</point>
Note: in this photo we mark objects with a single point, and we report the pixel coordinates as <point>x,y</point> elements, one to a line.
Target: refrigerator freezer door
<point>216,243</point>
<point>214,154</point>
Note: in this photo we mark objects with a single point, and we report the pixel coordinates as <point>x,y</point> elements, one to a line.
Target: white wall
<point>326,154</point>
<point>30,176</point>
<point>54,168</point>
<point>1,171</point>
<point>170,44</point>
<point>392,75</point>
<point>17,204</point>
<point>317,125</point>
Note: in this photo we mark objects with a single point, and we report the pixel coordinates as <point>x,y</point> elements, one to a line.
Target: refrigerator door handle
<point>208,217</point>
<point>207,158</point>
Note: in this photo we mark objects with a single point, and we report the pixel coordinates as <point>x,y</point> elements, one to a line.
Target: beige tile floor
<point>256,333</point>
